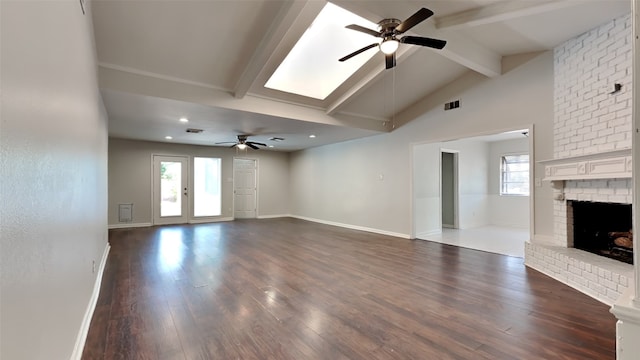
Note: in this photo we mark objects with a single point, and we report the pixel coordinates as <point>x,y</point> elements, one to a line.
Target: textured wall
<point>53,151</point>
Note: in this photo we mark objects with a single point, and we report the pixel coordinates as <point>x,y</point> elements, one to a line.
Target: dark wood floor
<point>290,289</point>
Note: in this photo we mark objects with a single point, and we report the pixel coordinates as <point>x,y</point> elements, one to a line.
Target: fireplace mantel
<point>603,165</point>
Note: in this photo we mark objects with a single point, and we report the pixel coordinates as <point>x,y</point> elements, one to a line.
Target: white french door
<point>170,189</point>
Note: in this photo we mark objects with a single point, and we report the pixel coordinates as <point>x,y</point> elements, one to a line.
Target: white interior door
<point>170,189</point>
<point>244,188</point>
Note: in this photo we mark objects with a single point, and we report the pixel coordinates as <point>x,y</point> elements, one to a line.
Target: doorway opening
<point>458,193</point>
<point>449,188</point>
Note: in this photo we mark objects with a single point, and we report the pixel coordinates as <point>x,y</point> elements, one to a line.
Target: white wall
<point>511,211</point>
<point>426,189</point>
<point>472,182</point>
<point>130,177</point>
<point>53,151</point>
<point>341,182</point>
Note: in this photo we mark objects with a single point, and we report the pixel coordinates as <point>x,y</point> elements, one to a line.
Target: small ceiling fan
<point>242,143</point>
<point>388,31</point>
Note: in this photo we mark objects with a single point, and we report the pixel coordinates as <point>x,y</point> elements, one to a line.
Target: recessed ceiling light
<point>168,137</point>
<point>271,146</point>
<point>184,120</point>
<point>312,136</point>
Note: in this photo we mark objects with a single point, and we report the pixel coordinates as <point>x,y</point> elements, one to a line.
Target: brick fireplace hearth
<point>592,154</point>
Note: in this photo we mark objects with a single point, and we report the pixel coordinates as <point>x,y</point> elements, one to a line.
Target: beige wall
<point>341,183</point>
<point>130,164</point>
<point>53,151</point>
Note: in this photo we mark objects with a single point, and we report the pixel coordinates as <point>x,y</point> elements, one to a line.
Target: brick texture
<point>589,119</point>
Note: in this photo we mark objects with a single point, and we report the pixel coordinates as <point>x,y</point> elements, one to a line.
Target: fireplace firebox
<point>603,229</point>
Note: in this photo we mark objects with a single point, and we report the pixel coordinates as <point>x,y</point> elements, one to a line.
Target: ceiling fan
<point>388,31</point>
<point>242,143</point>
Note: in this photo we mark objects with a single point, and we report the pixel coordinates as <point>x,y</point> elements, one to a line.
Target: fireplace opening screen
<point>603,229</point>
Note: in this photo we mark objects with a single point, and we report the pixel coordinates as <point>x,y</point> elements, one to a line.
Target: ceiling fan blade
<point>364,30</point>
<point>390,61</point>
<point>413,20</point>
<point>423,41</point>
<point>252,146</point>
<point>358,52</point>
<point>255,143</point>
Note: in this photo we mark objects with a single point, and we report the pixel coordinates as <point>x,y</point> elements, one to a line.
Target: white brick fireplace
<point>592,153</point>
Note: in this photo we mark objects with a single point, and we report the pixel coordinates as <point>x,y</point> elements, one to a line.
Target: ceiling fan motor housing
<point>387,27</point>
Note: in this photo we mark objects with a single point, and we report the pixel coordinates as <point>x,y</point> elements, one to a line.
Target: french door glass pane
<point>206,186</point>
<point>170,188</point>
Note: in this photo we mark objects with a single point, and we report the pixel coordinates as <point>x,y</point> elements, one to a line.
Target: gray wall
<point>130,164</point>
<point>341,183</point>
<point>448,189</point>
<point>53,151</point>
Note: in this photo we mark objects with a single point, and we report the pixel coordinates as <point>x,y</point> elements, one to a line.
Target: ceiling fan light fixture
<point>242,146</point>
<point>389,45</point>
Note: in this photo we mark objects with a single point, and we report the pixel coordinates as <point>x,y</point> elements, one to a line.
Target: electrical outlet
<point>93,266</point>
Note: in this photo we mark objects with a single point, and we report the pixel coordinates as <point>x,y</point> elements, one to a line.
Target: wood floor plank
<point>291,289</point>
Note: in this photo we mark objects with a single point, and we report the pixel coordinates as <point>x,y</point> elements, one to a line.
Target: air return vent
<point>452,105</point>
<point>194,131</point>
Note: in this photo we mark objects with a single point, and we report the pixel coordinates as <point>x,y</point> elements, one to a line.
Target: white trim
<point>425,234</point>
<point>128,225</point>
<point>86,322</point>
<point>353,227</point>
<point>273,216</point>
<point>210,220</point>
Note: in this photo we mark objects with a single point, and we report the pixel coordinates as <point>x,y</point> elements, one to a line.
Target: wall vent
<point>452,105</point>
<point>125,212</point>
<point>194,131</point>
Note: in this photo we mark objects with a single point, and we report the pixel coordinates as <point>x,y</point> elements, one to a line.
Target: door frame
<point>456,217</point>
<point>257,180</point>
<point>184,219</point>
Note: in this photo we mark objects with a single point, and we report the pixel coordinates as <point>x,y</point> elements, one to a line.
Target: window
<point>514,174</point>
<point>206,186</point>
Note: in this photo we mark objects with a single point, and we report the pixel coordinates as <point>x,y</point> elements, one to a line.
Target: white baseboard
<point>128,225</point>
<point>88,315</point>
<point>273,216</point>
<point>426,234</point>
<point>353,227</point>
<point>210,220</point>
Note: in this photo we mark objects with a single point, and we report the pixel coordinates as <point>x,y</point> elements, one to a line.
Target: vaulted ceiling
<point>209,61</point>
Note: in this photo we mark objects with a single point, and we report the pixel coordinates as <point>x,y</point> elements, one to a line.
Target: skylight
<point>311,68</point>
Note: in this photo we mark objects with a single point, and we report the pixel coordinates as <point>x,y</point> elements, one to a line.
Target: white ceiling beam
<point>459,49</point>
<point>367,80</point>
<point>469,54</point>
<point>270,41</point>
<point>501,11</point>
<point>149,84</point>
